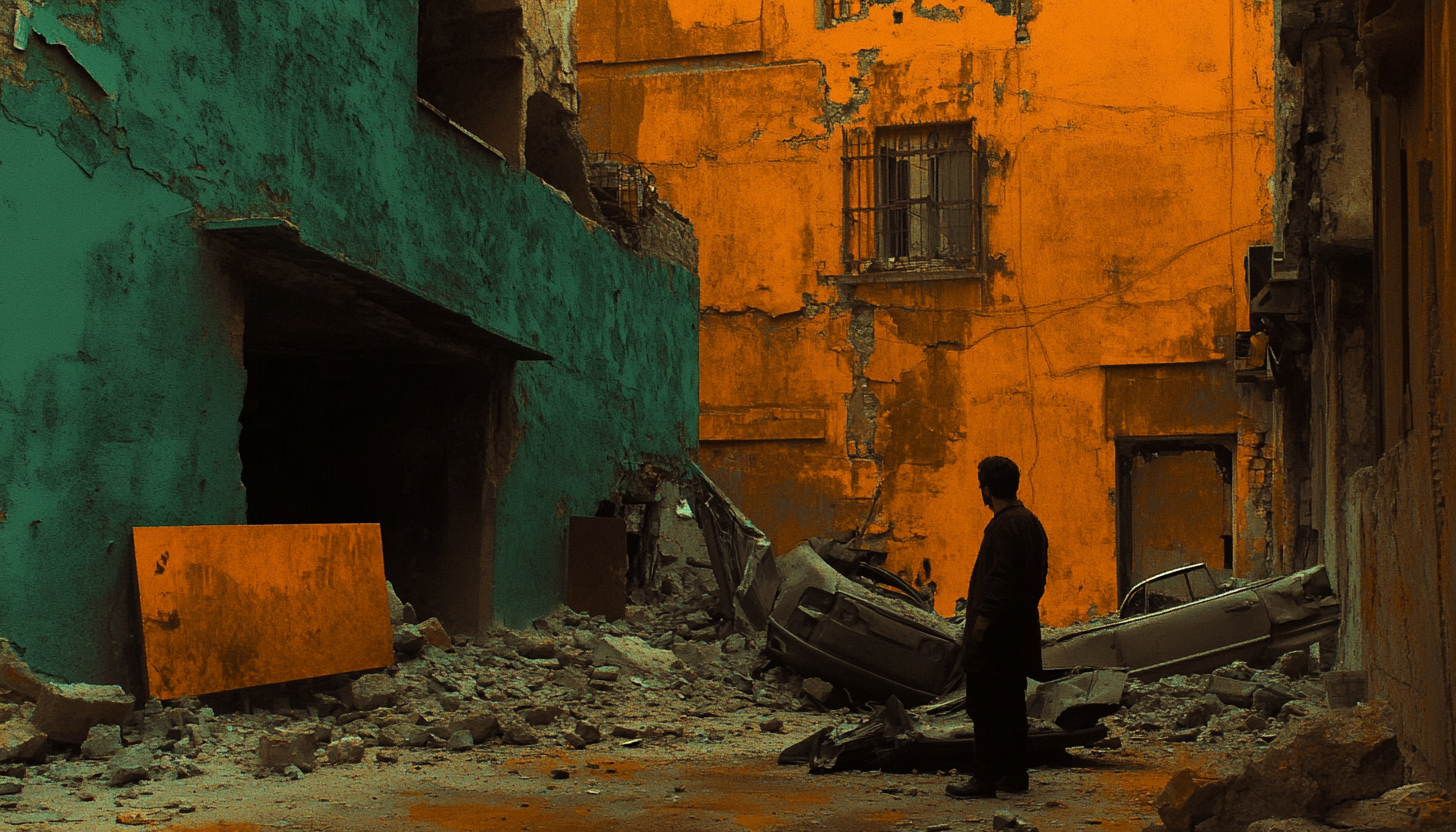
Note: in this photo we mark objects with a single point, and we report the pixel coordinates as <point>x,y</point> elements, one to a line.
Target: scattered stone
<point>520,735</point>
<point>386,755</point>
<point>633,652</point>
<point>574,740</point>
<point>773,725</point>
<point>101,742</point>
<point>559,774</point>
<point>535,646</point>
<point>1419,806</point>
<point>293,772</point>
<point>345,750</point>
<point>735,643</point>
<point>19,741</point>
<point>435,635</point>
<point>543,715</point>
<point>66,712</point>
<point>1294,664</point>
<point>605,674</point>
<point>1003,819</point>
<point>129,766</point>
<point>293,747</point>
<point>818,688</point>
<point>403,734</point>
<point>1200,710</point>
<point>371,691</point>
<point>10,785</point>
<point>459,741</point>
<point>396,606</point>
<point>408,640</point>
<point>481,726</point>
<point>1269,698</point>
<point>589,733</point>
<point>16,675</point>
<point>1231,691</point>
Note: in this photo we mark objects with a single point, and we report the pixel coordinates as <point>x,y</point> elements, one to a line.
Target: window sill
<point>906,276</point>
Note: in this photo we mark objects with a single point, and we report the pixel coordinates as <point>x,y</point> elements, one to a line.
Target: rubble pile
<point>1233,705</point>
<point>1341,769</point>
<point>570,681</point>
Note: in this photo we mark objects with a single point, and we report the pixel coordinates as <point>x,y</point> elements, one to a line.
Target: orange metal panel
<point>226,607</point>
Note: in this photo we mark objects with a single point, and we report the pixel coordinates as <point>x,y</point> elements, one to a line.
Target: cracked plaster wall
<point>121,379</point>
<point>1118,211</point>
<point>1359,82</point>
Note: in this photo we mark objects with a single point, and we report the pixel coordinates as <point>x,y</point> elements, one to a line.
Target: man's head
<point>999,478</point>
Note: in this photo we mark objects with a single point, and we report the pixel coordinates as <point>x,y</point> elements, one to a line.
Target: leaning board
<point>227,607</point>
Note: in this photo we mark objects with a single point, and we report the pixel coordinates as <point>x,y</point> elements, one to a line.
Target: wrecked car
<point>1165,629</point>
<point>1062,714</point>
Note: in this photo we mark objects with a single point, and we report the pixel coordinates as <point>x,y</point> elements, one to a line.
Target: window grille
<point>911,198</point>
<point>837,10</point>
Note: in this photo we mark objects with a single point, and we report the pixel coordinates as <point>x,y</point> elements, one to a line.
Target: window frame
<point>913,198</point>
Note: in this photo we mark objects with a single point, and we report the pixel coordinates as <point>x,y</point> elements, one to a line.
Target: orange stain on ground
<point>216,827</point>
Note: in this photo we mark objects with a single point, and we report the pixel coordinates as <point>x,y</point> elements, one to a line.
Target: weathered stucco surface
<point>121,379</point>
<point>1129,155</point>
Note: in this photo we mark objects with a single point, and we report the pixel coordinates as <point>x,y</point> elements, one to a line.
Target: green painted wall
<point>120,383</point>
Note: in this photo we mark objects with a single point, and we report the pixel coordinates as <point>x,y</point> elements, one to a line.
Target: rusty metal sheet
<point>227,607</point>
<point>596,566</point>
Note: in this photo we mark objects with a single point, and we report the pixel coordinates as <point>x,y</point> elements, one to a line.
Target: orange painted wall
<point>1130,151</point>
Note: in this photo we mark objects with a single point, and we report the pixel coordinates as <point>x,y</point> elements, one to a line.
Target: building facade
<point>1360,360</point>
<point>935,232</point>
<point>274,262</point>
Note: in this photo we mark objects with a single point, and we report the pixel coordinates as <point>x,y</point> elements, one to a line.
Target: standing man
<point>1003,633</point>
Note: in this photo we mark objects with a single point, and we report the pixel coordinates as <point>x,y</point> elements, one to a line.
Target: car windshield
<point>1170,589</point>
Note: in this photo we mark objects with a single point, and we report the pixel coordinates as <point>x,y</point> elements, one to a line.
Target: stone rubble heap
<point>669,672</point>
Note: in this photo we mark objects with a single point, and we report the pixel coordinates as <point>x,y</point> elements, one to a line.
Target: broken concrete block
<point>129,766</point>
<point>1293,664</point>
<point>533,646</point>
<point>1198,712</point>
<point>396,606</point>
<point>345,750</point>
<point>435,635</point>
<point>10,785</point>
<point>1313,766</point>
<point>403,735</point>
<point>374,690</point>
<point>520,735</point>
<point>574,740</point>
<point>543,715</point>
<point>735,643</point>
<point>1345,688</point>
<point>771,726</point>
<point>1289,825</point>
<point>589,733</point>
<point>459,741</point>
<point>67,712</point>
<point>19,741</point>
<point>819,689</point>
<point>101,742</point>
<point>481,726</point>
<point>1231,691</point>
<point>1269,698</point>
<point>408,640</point>
<point>605,674</point>
<point>1418,806</point>
<point>633,652</point>
<point>1188,801</point>
<point>16,675</point>
<point>292,747</point>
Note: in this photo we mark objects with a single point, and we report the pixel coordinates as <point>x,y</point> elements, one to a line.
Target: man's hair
<point>1000,475</point>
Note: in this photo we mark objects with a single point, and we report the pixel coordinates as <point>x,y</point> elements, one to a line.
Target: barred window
<point>836,10</point>
<point>911,198</point>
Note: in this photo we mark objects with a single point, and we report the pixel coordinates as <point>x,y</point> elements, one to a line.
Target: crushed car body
<point>1255,624</point>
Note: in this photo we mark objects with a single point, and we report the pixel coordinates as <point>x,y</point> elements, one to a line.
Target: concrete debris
<point>396,606</point>
<point>67,712</point>
<point>521,735</point>
<point>101,742</point>
<point>16,675</point>
<point>1003,819</point>
<point>10,785</point>
<point>459,741</point>
<point>1418,806</point>
<point>345,750</point>
<point>435,635</point>
<point>408,640</point>
<point>19,741</point>
<point>1320,763</point>
<point>291,747</point>
<point>817,688</point>
<point>130,765</point>
<point>633,652</point>
<point>375,690</point>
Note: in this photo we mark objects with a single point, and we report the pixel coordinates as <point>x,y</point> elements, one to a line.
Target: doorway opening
<point>1174,506</point>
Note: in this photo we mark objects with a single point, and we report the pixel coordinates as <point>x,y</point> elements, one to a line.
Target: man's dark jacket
<point>1006,587</point>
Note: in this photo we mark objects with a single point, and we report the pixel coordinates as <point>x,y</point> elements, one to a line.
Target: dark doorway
<point>1175,506</point>
<point>367,404</point>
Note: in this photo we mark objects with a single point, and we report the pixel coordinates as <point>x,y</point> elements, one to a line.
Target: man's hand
<point>977,633</point>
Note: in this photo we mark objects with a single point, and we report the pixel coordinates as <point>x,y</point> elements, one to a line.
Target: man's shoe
<point>971,787</point>
<point>1014,784</point>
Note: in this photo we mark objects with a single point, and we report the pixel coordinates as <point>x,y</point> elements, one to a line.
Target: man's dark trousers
<point>996,703</point>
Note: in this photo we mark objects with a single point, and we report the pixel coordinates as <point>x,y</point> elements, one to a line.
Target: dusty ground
<point>733,784</point>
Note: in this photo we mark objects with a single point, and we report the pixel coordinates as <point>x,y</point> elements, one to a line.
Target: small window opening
<point>472,70</point>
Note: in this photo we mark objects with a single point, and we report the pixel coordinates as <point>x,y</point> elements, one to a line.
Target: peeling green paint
<point>120,380</point>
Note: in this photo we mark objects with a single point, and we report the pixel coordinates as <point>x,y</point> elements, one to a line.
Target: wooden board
<point>227,607</point>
